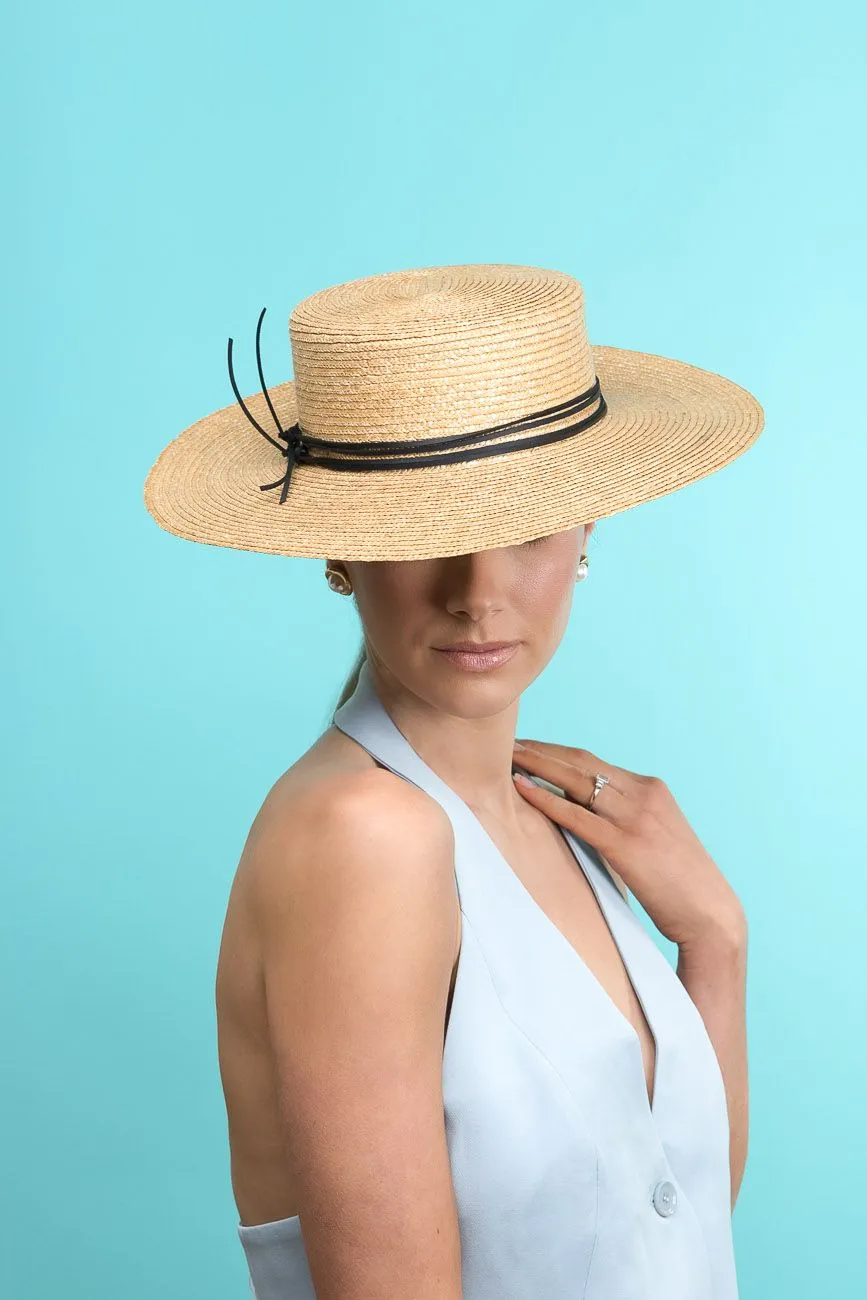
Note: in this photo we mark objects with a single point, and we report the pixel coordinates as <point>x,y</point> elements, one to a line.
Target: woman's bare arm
<point>715,974</point>
<point>355,899</point>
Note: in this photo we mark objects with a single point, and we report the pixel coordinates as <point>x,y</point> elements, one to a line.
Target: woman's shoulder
<point>332,802</point>
<point>338,778</point>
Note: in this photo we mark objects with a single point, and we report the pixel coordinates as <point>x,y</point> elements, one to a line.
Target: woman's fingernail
<point>520,776</point>
<point>517,744</point>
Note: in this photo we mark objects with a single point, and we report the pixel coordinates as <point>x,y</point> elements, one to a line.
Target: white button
<point>665,1198</point>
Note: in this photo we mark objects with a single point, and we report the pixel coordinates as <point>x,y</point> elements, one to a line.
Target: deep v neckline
<point>588,870</point>
<point>361,702</point>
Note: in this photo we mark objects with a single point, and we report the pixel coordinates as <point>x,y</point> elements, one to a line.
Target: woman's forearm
<point>714,973</point>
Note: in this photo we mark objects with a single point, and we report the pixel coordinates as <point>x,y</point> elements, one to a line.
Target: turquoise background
<point>173,168</point>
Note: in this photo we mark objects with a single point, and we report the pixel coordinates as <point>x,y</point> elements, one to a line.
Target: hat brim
<point>668,424</point>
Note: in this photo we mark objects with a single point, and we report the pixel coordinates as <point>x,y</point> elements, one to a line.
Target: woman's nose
<point>475,584</point>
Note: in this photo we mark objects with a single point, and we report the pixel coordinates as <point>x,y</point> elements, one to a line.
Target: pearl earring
<point>338,581</point>
<point>583,568</point>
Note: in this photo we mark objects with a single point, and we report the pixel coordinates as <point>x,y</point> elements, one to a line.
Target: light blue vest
<point>569,1185</point>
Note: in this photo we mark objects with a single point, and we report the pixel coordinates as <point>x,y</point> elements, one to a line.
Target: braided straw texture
<point>437,351</point>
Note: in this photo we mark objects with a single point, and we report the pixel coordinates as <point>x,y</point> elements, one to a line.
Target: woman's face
<point>412,608</point>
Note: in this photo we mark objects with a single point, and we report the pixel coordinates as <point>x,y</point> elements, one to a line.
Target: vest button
<point>665,1198</point>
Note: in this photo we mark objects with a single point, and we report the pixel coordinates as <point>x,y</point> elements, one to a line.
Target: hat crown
<point>437,350</point>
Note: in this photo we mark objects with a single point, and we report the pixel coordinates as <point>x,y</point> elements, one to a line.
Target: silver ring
<point>600,782</point>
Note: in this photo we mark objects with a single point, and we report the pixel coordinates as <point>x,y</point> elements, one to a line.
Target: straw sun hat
<point>441,411</point>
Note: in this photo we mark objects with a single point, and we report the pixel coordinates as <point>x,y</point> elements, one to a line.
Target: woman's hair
<point>352,680</point>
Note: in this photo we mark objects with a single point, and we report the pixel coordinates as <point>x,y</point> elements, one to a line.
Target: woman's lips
<point>477,661</point>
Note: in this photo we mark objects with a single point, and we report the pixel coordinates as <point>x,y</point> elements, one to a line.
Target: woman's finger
<point>603,833</point>
<point>578,785</point>
<point>586,761</point>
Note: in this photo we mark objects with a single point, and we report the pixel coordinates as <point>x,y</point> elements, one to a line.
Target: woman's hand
<point>639,829</point>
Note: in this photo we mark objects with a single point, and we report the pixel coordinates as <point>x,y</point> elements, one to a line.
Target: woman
<point>454,1062</point>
